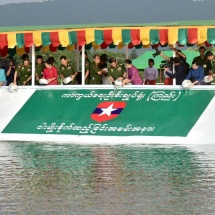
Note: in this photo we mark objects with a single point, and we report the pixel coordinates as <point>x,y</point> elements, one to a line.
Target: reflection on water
<point>72,179</point>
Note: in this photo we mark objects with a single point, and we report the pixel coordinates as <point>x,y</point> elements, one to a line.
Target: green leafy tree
<point>133,54</point>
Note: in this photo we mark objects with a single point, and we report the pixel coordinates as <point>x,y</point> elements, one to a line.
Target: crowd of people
<point>105,70</point>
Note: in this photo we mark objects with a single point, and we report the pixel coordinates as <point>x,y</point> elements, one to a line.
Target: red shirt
<point>49,74</point>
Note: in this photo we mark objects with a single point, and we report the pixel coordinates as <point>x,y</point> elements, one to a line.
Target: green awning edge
<point>109,25</point>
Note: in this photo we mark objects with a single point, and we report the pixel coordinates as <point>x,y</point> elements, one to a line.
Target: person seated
<point>116,70</point>
<point>50,73</point>
<point>133,74</point>
<point>196,74</point>
<point>150,73</point>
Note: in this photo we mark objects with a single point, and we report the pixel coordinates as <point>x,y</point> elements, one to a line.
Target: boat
<point>100,114</point>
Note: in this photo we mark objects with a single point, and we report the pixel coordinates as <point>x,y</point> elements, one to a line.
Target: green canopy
<point>142,61</point>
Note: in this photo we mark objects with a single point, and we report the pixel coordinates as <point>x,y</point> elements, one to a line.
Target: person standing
<point>180,71</point>
<point>50,73</point>
<point>196,74</point>
<point>209,59</point>
<point>201,58</point>
<point>24,72</point>
<point>39,67</point>
<point>10,72</point>
<point>95,71</point>
<point>133,74</point>
<point>87,68</point>
<point>150,73</point>
<point>116,70</point>
<point>68,70</point>
<point>2,76</point>
<point>167,79</point>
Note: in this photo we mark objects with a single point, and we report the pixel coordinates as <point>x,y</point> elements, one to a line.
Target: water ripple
<point>47,178</point>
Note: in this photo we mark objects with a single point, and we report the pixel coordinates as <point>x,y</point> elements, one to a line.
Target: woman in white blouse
<point>150,73</point>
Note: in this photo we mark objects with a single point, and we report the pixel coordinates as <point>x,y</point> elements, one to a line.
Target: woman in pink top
<point>133,74</point>
<point>50,73</point>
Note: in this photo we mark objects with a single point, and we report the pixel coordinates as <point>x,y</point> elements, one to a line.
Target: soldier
<point>116,70</point>
<point>23,71</point>
<point>95,71</point>
<point>68,70</point>
<point>201,58</point>
<point>39,67</point>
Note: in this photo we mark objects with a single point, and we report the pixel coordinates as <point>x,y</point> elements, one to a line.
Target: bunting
<point>103,38</point>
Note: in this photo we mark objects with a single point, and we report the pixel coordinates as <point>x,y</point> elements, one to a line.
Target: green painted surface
<point>146,112</point>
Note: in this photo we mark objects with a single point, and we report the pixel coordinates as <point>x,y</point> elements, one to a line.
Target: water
<point>40,178</point>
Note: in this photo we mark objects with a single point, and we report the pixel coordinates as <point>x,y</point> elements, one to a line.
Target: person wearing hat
<point>23,71</point>
<point>68,70</point>
<point>95,71</point>
<point>116,70</point>
<point>39,67</point>
<point>150,73</point>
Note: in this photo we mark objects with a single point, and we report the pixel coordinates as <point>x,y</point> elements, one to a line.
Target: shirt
<point>150,73</point>
<point>196,74</point>
<point>134,76</point>
<point>2,75</point>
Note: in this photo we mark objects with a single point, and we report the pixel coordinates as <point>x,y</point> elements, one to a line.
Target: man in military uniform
<point>67,70</point>
<point>95,71</point>
<point>23,71</point>
<point>39,67</point>
<point>116,70</point>
<point>201,59</point>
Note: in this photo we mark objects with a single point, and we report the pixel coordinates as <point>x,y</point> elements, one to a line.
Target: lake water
<point>45,178</point>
